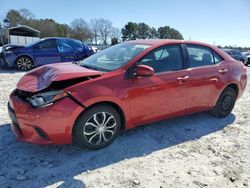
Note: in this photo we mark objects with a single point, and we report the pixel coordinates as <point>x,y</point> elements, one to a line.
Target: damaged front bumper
<point>49,125</point>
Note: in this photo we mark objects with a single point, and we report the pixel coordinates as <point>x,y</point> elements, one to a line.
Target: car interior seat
<point>206,59</point>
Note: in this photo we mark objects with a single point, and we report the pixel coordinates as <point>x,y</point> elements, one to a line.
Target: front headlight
<point>47,98</point>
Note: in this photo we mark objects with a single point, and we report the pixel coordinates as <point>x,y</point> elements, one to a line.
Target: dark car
<point>44,51</point>
<point>248,57</point>
<point>236,54</point>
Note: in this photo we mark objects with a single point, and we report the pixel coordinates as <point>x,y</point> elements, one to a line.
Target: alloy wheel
<point>100,128</point>
<point>24,63</point>
<point>226,102</point>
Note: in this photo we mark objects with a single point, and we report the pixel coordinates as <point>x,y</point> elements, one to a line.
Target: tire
<point>97,127</point>
<point>24,63</point>
<point>225,103</point>
<point>244,62</point>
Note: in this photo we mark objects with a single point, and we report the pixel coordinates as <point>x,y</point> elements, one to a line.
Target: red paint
<point>142,100</point>
<point>40,78</point>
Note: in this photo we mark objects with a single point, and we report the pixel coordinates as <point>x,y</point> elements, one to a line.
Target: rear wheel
<point>225,103</point>
<point>97,127</point>
<point>24,63</point>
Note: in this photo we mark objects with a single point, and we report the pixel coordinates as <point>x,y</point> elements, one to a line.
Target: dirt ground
<point>192,151</point>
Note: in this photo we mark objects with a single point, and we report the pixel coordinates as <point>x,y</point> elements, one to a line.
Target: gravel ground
<point>192,151</point>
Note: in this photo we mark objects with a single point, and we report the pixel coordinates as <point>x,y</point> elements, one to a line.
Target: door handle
<point>182,78</point>
<point>223,71</point>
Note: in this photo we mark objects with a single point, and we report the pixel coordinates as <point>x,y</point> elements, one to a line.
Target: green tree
<point>167,32</point>
<point>114,41</point>
<point>153,33</point>
<point>14,18</point>
<point>129,31</point>
<point>143,31</point>
<point>132,31</point>
<point>47,27</point>
<point>62,30</point>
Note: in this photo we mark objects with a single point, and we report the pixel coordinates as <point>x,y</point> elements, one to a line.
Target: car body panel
<point>58,124</point>
<point>141,100</point>
<point>204,85</point>
<point>41,77</point>
<point>143,93</point>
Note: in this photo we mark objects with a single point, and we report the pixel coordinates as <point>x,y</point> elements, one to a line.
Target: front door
<point>164,93</point>
<point>46,52</point>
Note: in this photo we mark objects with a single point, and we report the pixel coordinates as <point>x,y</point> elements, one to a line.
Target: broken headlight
<point>47,98</point>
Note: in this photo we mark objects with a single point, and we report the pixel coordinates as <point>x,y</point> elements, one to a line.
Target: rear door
<point>46,52</point>
<point>68,50</point>
<point>208,73</point>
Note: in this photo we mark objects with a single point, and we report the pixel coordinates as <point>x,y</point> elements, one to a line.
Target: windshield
<point>113,57</point>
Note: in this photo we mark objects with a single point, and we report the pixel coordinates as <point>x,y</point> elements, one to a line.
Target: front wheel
<point>24,63</point>
<point>225,103</point>
<point>97,127</point>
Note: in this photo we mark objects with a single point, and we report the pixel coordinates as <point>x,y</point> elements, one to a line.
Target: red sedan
<point>121,87</point>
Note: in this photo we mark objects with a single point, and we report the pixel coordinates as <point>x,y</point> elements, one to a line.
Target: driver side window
<point>166,58</point>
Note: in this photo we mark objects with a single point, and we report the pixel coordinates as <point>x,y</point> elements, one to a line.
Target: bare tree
<point>80,30</point>
<point>26,14</point>
<point>94,29</point>
<point>104,30</point>
<point>13,18</point>
<point>116,33</point>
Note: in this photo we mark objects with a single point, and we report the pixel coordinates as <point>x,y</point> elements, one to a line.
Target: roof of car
<point>46,38</point>
<point>159,42</point>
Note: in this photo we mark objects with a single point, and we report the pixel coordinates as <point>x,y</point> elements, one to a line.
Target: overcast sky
<point>220,22</point>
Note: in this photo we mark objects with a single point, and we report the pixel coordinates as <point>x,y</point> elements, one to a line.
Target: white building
<point>19,35</point>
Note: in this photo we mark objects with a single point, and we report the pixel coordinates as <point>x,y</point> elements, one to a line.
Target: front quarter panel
<point>107,88</point>
<point>25,52</point>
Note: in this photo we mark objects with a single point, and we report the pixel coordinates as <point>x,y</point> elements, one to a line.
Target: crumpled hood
<point>42,77</point>
<point>11,47</point>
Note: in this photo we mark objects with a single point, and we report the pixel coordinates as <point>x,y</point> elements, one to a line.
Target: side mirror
<point>144,70</point>
<point>38,47</point>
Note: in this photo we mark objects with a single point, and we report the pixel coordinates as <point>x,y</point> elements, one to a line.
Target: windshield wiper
<point>89,67</point>
<point>76,62</point>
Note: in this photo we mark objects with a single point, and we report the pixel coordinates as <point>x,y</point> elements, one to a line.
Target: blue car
<point>44,51</point>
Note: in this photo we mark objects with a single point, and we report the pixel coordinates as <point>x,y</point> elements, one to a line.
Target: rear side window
<point>64,46</point>
<point>167,58</point>
<point>73,43</point>
<point>217,58</point>
<point>202,56</point>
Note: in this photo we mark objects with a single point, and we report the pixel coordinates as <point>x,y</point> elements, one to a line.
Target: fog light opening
<point>41,133</point>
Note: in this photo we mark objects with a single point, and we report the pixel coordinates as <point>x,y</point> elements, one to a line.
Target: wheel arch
<point>109,103</point>
<point>234,86</point>
<point>24,55</point>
